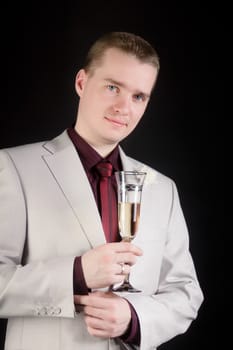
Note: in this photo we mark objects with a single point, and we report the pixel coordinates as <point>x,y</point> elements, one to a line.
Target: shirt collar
<point>89,156</point>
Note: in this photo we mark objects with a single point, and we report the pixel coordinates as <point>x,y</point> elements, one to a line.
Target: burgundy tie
<point>108,201</point>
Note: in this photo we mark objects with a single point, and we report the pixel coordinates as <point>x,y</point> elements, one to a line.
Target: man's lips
<point>117,122</point>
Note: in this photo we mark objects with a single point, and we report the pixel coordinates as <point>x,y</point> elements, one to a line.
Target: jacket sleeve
<point>37,288</point>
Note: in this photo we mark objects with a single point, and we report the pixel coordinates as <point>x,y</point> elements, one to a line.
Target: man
<point>57,260</point>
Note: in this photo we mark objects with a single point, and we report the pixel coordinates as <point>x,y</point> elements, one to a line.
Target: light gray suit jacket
<point>48,216</point>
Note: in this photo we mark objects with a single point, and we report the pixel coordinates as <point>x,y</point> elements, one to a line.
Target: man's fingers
<point>126,258</point>
<point>121,247</point>
<point>92,299</point>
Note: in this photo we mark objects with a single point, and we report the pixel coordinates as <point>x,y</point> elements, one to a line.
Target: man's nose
<point>122,105</point>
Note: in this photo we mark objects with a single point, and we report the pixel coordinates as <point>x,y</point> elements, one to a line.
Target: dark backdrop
<point>177,136</point>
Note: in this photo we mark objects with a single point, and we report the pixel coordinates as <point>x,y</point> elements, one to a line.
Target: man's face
<point>113,98</point>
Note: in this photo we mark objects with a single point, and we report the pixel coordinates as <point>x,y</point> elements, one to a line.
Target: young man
<point>57,259</point>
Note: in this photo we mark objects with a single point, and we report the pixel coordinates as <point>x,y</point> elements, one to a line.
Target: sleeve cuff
<point>79,283</point>
<point>132,335</point>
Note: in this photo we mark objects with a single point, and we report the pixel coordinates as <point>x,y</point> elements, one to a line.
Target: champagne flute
<point>129,190</point>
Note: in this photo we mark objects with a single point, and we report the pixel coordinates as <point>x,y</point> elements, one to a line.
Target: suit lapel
<point>66,167</point>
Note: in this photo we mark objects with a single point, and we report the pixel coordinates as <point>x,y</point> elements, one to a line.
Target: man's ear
<point>80,81</point>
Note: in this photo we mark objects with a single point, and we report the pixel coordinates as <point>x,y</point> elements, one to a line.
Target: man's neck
<point>102,149</point>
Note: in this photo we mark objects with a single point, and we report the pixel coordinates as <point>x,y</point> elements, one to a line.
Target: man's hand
<point>102,265</point>
<point>106,314</point>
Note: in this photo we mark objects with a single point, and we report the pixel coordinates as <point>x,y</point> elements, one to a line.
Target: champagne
<point>129,190</point>
<point>128,217</point>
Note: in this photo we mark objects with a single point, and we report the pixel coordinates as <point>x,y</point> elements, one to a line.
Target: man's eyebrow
<point>119,83</point>
<point>115,82</point>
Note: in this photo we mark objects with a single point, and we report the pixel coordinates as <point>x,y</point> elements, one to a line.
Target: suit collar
<point>132,164</point>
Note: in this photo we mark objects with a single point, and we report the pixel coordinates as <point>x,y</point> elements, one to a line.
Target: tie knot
<point>104,169</point>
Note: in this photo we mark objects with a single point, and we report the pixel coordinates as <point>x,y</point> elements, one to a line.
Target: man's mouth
<point>117,122</point>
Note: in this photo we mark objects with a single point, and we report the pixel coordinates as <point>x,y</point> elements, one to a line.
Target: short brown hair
<point>127,42</point>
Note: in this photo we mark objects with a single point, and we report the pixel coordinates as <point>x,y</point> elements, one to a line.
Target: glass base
<point>126,287</point>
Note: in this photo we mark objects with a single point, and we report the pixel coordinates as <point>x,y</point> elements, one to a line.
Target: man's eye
<point>112,87</point>
<point>139,97</point>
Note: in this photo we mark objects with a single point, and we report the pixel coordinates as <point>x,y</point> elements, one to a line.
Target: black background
<point>179,134</point>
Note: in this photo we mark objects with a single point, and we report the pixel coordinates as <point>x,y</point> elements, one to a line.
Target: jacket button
<point>57,311</point>
<point>43,311</point>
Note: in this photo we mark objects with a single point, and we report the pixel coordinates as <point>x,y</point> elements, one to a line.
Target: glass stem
<point>126,279</point>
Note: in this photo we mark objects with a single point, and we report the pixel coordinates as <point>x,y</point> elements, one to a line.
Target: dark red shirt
<point>89,158</point>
